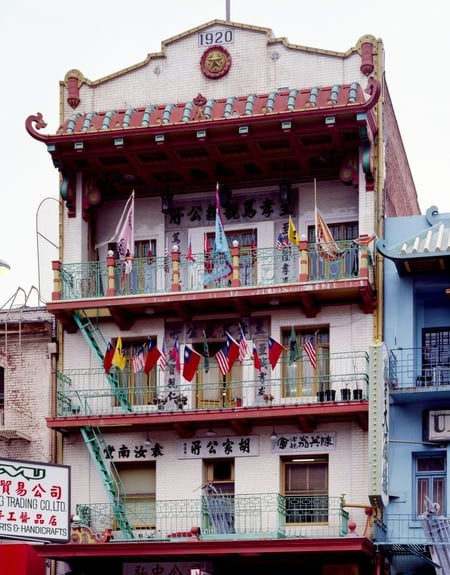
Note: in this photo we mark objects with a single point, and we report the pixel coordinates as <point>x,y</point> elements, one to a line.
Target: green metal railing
<point>266,515</point>
<point>87,392</point>
<point>257,267</point>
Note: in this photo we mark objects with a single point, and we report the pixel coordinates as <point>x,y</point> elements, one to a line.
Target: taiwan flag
<point>191,361</point>
<point>153,354</point>
<point>275,350</point>
<point>175,355</point>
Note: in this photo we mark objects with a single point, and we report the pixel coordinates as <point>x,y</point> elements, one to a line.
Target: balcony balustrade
<point>173,273</point>
<point>402,529</point>
<point>418,368</point>
<point>256,516</point>
<point>88,392</point>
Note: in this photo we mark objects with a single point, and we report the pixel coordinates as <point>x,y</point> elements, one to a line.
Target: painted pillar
<point>56,293</point>
<point>110,264</point>
<point>235,281</point>
<point>176,280</point>
<point>304,268</point>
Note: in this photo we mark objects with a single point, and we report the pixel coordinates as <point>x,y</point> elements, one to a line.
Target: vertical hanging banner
<point>34,501</point>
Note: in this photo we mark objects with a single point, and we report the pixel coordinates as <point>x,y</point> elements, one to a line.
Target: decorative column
<point>176,280</point>
<point>364,262</point>
<point>235,281</point>
<point>304,264</point>
<point>56,293</point>
<point>111,267</point>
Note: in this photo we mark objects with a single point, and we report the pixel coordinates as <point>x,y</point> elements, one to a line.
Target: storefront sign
<point>34,501</point>
<point>438,425</point>
<point>304,442</point>
<point>226,446</point>
<point>166,568</point>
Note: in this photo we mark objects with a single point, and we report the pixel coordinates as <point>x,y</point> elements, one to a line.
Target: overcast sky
<point>41,41</point>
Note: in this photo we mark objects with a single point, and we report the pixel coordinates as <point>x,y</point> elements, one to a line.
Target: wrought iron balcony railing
<point>340,376</point>
<point>419,367</point>
<point>174,272</point>
<point>217,516</point>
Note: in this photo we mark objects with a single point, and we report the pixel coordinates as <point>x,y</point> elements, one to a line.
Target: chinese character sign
<point>34,500</point>
<point>226,446</point>
<point>305,442</point>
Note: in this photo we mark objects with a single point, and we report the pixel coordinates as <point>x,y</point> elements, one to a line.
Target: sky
<point>41,41</point>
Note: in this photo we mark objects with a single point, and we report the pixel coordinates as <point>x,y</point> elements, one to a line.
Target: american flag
<point>310,350</point>
<point>243,346</point>
<point>138,360</point>
<point>222,360</point>
<point>189,255</point>
<point>162,357</point>
<point>282,242</point>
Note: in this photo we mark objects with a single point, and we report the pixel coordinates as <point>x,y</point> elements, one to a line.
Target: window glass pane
<point>422,493</point>
<point>430,463</point>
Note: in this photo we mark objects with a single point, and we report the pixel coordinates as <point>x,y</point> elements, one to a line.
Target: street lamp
<point>4,267</point>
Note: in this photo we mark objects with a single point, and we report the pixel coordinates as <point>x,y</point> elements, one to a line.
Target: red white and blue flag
<point>138,360</point>
<point>153,354</point>
<point>310,350</point>
<point>243,346</point>
<point>275,350</point>
<point>226,356</point>
<point>175,355</point>
<point>191,361</point>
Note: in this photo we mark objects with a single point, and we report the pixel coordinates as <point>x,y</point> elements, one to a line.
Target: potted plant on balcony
<point>238,401</point>
<point>268,398</point>
<point>346,393</point>
<point>357,393</point>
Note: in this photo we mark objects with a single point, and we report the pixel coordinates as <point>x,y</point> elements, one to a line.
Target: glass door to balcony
<point>436,356</point>
<point>139,388</point>
<point>302,378</point>
<point>214,390</point>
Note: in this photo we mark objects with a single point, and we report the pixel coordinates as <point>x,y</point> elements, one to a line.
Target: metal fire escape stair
<point>93,437</point>
<point>437,532</point>
<point>110,477</point>
<point>97,343</point>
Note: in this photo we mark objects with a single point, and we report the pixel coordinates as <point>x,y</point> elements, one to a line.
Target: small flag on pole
<point>243,346</point>
<point>175,354</point>
<point>191,361</point>
<point>138,360</point>
<point>107,360</point>
<point>162,358</point>
<point>282,242</point>
<point>205,354</point>
<point>326,246</point>
<point>275,350</point>
<point>310,350</point>
<point>153,354</point>
<point>292,232</point>
<point>189,255</point>
<point>119,360</point>
<point>294,349</point>
<point>256,360</point>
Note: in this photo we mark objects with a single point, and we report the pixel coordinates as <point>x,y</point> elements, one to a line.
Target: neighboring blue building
<point>416,254</point>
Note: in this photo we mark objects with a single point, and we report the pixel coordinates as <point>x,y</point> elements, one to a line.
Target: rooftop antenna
<point>227,10</point>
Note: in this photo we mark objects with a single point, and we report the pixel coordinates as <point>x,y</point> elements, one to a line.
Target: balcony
<point>415,371</point>
<point>220,516</point>
<point>173,286</point>
<point>85,396</point>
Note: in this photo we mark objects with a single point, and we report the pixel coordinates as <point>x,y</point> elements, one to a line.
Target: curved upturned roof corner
<point>425,252</point>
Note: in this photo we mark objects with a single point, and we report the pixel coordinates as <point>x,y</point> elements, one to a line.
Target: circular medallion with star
<point>215,62</point>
